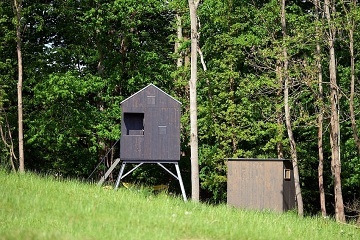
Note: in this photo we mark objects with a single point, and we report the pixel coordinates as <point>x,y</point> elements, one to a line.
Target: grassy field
<point>32,207</point>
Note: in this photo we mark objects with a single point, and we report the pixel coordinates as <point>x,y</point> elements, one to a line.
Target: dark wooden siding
<point>289,188</point>
<point>161,126</point>
<point>162,134</point>
<point>257,184</point>
<point>132,147</point>
<point>141,100</point>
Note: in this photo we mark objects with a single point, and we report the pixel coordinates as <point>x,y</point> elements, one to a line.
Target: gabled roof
<point>146,88</point>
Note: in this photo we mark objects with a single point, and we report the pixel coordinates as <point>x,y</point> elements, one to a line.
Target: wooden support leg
<point>120,175</point>
<point>103,178</point>
<point>180,181</point>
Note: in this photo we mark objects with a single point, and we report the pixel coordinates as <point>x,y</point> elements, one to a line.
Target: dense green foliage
<point>46,208</point>
<point>82,58</point>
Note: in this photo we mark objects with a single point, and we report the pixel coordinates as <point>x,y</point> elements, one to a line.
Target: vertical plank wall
<point>161,134</point>
<point>258,184</point>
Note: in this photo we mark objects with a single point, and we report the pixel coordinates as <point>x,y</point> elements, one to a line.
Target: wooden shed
<point>150,126</point>
<point>261,184</point>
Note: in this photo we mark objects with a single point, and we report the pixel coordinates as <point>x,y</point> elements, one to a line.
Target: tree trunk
<point>180,61</point>
<point>285,77</point>
<point>334,116</point>
<point>195,183</point>
<point>18,9</point>
<point>351,24</point>
<point>279,116</point>
<point>320,119</point>
<point>8,141</point>
<point>279,144</point>
<point>233,122</point>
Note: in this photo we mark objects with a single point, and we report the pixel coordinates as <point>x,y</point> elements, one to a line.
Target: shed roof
<point>145,89</point>
<point>257,159</point>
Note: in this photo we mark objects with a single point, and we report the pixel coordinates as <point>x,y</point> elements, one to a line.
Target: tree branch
<point>202,58</point>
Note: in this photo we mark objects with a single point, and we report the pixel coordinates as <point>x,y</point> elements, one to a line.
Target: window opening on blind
<point>134,123</point>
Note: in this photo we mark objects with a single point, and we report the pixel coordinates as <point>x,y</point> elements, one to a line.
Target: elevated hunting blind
<point>150,126</point>
<point>150,133</point>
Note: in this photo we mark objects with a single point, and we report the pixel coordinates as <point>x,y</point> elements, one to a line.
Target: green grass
<point>32,207</point>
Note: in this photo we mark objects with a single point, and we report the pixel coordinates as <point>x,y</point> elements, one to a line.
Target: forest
<point>275,79</point>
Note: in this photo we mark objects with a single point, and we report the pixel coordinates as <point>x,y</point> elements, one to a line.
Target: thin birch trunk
<point>17,11</point>
<point>351,24</point>
<point>279,116</point>
<point>285,75</point>
<point>195,183</point>
<point>320,119</point>
<point>334,115</point>
<point>5,136</point>
<point>180,60</point>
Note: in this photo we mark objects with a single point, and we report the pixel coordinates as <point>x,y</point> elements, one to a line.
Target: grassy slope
<point>40,208</point>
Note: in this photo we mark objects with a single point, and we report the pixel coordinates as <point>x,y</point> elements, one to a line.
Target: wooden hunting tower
<point>150,126</point>
<point>150,133</point>
<point>261,184</point>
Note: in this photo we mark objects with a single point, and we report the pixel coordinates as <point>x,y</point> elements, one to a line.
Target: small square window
<point>162,130</point>
<point>151,100</point>
<point>287,174</point>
